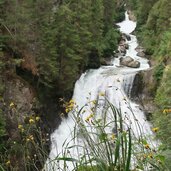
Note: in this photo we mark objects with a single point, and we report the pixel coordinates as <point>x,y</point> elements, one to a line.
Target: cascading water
<point>116,82</point>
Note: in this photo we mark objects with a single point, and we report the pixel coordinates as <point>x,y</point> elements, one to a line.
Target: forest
<point>45,46</point>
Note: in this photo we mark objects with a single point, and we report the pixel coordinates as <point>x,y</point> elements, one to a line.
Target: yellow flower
<point>101,94</point>
<point>164,111</point>
<point>155,129</point>
<point>31,121</point>
<point>8,162</point>
<point>71,101</point>
<point>31,137</point>
<point>12,104</point>
<point>94,102</point>
<point>89,117</point>
<point>147,146</point>
<point>20,126</point>
<point>69,106</point>
<point>28,139</point>
<point>113,136</point>
<point>37,118</point>
<point>150,155</point>
<point>66,110</point>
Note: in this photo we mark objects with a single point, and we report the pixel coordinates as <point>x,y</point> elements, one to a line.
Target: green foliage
<point>162,116</point>
<point>111,41</point>
<point>158,72</point>
<point>28,148</point>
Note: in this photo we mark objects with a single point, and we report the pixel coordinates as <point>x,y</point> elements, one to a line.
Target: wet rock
<point>126,36</point>
<point>140,49</point>
<point>126,46</point>
<point>129,62</point>
<point>106,62</point>
<point>131,16</point>
<point>122,49</point>
<point>141,54</point>
<point>134,64</point>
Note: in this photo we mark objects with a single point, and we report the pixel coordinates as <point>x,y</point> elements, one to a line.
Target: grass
<point>108,143</point>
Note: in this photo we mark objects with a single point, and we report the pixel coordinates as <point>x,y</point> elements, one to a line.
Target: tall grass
<point>108,142</point>
<point>102,140</point>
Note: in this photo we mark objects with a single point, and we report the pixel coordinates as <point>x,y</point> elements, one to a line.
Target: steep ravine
<point>117,82</point>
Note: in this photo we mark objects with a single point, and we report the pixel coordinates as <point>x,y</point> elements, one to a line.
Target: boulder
<point>126,46</point>
<point>129,62</point>
<point>106,62</point>
<point>126,60</point>
<point>126,36</point>
<point>141,54</point>
<point>140,49</point>
<point>122,49</point>
<point>134,64</point>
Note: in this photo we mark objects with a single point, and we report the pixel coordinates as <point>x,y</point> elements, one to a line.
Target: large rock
<point>126,36</point>
<point>122,49</point>
<point>141,54</point>
<point>134,64</point>
<point>140,49</point>
<point>129,62</point>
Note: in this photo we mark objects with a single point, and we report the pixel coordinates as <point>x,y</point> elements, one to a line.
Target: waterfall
<point>116,82</point>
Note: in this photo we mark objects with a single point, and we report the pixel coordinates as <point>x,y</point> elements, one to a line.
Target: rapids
<point>116,82</point>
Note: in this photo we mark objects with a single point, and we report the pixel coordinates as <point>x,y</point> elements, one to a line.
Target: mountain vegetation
<point>44,47</point>
<point>154,32</point>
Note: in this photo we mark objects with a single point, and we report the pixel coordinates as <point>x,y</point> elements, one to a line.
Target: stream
<point>116,83</point>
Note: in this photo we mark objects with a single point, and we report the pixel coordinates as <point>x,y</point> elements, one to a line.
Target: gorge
<point>115,83</point>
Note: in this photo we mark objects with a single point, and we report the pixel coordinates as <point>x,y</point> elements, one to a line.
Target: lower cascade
<point>113,83</point>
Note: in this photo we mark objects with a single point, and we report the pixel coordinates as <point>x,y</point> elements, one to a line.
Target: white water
<point>116,83</point>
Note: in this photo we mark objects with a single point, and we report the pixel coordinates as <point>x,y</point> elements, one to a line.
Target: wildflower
<point>31,121</point>
<point>147,146</point>
<point>155,129</point>
<point>37,118</point>
<point>12,104</point>
<point>20,126</point>
<point>28,139</point>
<point>8,162</point>
<point>113,136</point>
<point>164,111</point>
<point>31,137</point>
<point>89,117</point>
<point>70,106</point>
<point>101,94</point>
<point>94,102</point>
<point>150,155</point>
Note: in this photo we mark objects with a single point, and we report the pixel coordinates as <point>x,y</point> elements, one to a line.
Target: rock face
<point>143,90</point>
<point>21,95</point>
<point>129,62</point>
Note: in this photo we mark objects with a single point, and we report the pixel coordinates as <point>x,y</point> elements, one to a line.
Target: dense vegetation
<point>154,31</point>
<point>46,45</point>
